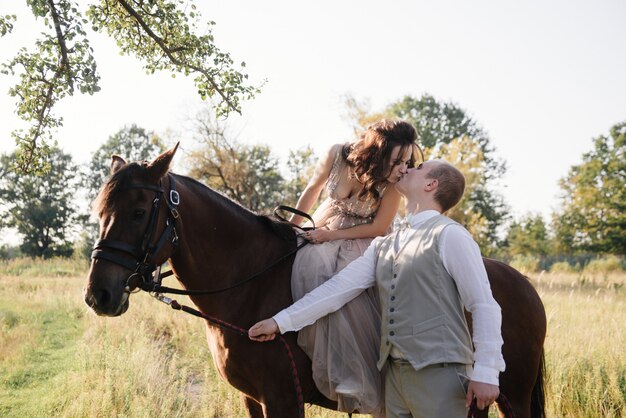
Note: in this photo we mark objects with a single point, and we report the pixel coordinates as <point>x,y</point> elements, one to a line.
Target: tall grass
<point>585,344</point>
<point>57,359</point>
<point>39,267</point>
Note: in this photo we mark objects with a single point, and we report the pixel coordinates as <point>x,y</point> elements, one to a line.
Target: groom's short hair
<point>451,185</point>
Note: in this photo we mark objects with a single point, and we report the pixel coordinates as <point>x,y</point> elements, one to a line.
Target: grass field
<point>59,360</point>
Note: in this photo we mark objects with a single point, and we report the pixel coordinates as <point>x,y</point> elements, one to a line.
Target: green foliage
<point>446,131</point>
<point>526,263</point>
<point>61,62</point>
<point>41,208</point>
<point>161,33</point>
<point>528,236</point>
<point>8,252</point>
<point>604,265</point>
<point>248,174</point>
<point>440,123</point>
<point>593,209</point>
<point>300,165</point>
<point>6,24</point>
<point>132,143</point>
<point>563,267</point>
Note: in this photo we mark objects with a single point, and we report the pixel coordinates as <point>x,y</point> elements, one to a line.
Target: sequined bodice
<point>340,213</point>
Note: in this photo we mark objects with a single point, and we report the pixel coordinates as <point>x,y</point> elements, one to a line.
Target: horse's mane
<point>120,180</point>
<point>279,228</point>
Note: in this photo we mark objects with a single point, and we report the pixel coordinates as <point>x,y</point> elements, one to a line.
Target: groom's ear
<point>431,185</point>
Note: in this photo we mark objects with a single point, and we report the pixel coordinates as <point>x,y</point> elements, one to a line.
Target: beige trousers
<point>436,391</point>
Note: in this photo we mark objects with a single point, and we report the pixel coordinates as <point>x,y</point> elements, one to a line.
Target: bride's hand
<point>265,330</point>
<point>318,236</point>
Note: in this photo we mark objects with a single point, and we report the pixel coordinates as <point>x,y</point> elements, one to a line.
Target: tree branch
<point>159,41</point>
<point>64,64</point>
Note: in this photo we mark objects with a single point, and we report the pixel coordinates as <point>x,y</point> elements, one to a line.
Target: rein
<point>244,333</point>
<point>503,404</point>
<point>154,286</point>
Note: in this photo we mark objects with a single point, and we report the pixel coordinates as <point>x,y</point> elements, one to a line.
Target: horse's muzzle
<point>103,303</point>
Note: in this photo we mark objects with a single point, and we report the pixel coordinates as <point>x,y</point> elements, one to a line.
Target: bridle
<point>141,261</point>
<point>146,274</point>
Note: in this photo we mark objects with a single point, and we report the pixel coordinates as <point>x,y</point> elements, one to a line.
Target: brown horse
<point>148,215</point>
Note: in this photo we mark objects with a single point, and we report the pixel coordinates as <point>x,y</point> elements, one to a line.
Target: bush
<point>607,264</point>
<point>8,251</point>
<point>563,267</point>
<point>526,263</point>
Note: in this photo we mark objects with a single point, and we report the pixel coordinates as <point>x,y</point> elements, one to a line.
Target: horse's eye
<point>138,214</point>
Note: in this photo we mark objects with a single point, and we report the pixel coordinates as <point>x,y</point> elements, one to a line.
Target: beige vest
<point>422,313</point>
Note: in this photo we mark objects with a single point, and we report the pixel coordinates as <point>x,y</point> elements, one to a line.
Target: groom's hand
<point>484,393</point>
<point>265,330</point>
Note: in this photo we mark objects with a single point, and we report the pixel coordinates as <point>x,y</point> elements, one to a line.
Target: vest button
<point>395,275</point>
<point>391,321</point>
<point>393,298</point>
<point>393,286</point>
<point>392,333</point>
<point>392,309</point>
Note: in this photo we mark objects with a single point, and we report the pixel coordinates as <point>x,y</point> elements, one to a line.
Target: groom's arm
<point>329,297</point>
<point>461,257</point>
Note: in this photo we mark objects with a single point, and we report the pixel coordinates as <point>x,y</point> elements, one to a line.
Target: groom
<point>426,275</point>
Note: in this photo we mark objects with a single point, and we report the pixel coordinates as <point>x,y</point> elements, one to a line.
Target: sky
<point>543,78</point>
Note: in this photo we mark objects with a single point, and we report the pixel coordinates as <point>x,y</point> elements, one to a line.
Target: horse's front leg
<point>270,410</point>
<point>255,409</point>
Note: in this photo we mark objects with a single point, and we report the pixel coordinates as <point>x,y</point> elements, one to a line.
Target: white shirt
<point>461,258</point>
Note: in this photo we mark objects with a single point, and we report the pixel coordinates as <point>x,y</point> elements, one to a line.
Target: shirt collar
<point>415,219</point>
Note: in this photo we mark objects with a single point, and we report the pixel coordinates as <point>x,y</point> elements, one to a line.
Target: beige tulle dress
<point>343,346</point>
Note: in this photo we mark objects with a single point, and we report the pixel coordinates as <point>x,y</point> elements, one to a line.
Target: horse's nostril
<point>98,298</point>
<point>103,297</point>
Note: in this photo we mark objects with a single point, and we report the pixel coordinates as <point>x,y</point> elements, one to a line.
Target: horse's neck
<point>222,245</point>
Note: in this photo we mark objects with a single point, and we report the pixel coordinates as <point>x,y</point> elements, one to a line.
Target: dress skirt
<point>344,345</point>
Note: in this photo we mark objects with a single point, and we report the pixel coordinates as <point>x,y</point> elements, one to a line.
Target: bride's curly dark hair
<point>370,155</point>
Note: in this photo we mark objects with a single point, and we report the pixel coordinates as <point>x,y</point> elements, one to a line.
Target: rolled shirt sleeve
<point>462,259</point>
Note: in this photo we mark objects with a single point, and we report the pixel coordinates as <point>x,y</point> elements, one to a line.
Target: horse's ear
<point>117,162</point>
<point>161,164</point>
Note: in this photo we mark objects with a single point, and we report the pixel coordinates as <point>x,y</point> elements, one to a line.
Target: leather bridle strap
<point>141,263</point>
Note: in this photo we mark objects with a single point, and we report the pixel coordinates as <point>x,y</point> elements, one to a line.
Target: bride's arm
<point>379,226</point>
<point>314,188</point>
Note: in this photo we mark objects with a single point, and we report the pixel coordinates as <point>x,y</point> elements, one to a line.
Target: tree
<point>528,236</point>
<point>41,208</point>
<point>446,131</point>
<point>593,204</point>
<point>161,33</point>
<point>131,142</point>
<point>300,165</point>
<point>248,174</point>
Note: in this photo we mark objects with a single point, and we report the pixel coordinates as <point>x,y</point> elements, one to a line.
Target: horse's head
<point>137,220</point>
